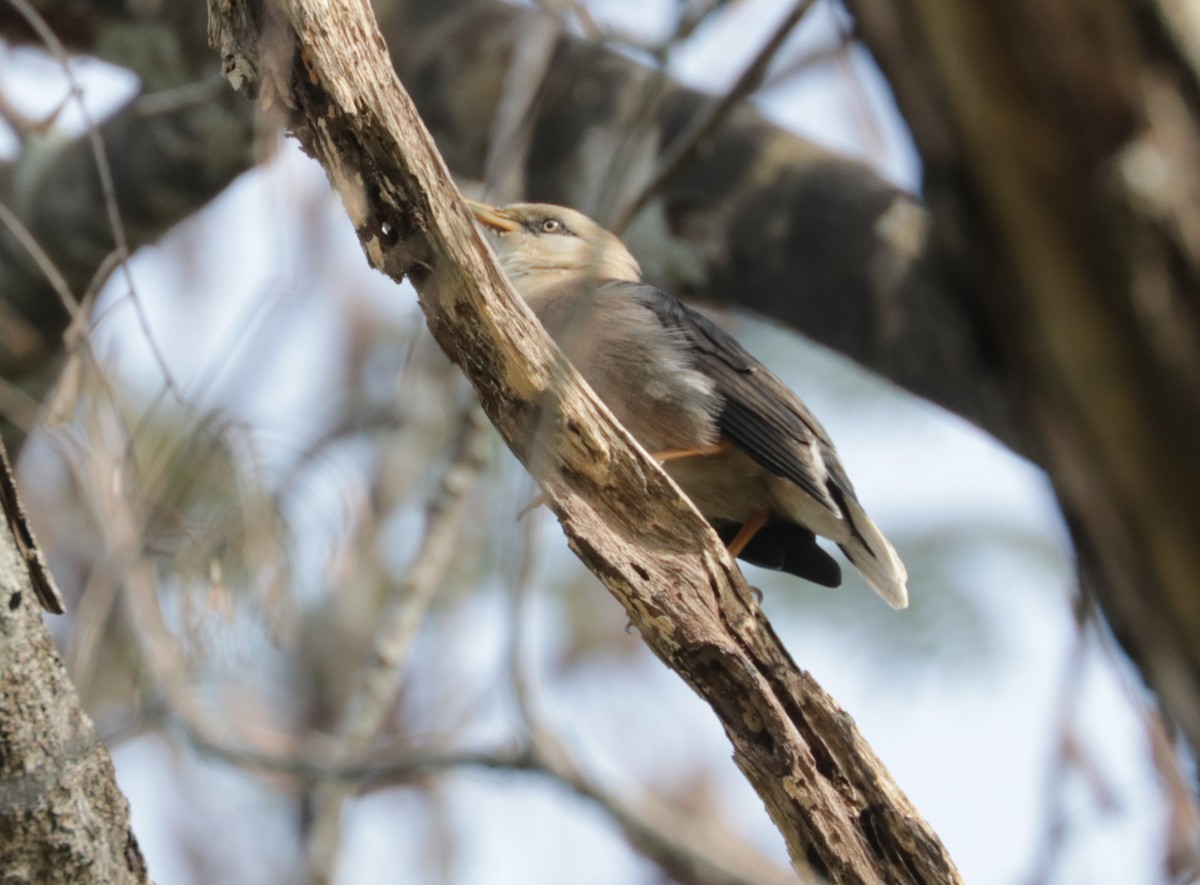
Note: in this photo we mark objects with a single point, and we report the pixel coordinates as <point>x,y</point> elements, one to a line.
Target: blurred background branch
<point>854,239</point>
<point>379,679</point>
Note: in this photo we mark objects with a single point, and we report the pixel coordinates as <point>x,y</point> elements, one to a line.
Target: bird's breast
<point>642,371</point>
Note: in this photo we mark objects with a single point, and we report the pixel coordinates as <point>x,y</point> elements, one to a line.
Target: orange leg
<point>675,454</point>
<point>748,530</point>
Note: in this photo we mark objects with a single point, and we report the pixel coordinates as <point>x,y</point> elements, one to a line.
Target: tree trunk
<point>1062,151</point>
<point>62,817</point>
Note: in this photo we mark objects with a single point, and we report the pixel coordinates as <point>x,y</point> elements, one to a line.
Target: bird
<point>736,440</point>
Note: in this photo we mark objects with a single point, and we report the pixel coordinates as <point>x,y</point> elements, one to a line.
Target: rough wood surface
<point>62,817</point>
<point>324,63</point>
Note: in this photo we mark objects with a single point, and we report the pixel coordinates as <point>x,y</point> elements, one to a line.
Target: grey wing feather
<point>760,415</point>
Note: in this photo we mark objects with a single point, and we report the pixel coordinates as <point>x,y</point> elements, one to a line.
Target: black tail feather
<point>787,547</point>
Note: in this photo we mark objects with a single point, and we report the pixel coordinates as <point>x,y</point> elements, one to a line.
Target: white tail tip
<point>876,558</point>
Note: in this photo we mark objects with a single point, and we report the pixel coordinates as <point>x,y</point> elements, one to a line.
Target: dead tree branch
<point>324,63</point>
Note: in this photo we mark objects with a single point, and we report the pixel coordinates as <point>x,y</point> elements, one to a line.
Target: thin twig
<point>1181,842</point>
<point>1062,761</point>
<point>689,20</point>
<point>693,16</point>
<point>582,14</point>
<point>44,262</point>
<point>867,115</point>
<point>1181,837</point>
<point>637,140</point>
<point>686,144</point>
<point>687,847</point>
<point>691,849</point>
<point>383,767</point>
<point>521,588</point>
<point>107,186</point>
<point>504,168</point>
<point>76,334</point>
<point>802,63</point>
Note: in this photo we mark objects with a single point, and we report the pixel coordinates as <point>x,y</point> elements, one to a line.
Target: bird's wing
<point>760,415</point>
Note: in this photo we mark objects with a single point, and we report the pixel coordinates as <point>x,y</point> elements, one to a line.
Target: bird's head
<point>538,238</point>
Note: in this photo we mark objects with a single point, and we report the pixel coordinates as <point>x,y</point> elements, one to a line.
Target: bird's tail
<point>872,555</point>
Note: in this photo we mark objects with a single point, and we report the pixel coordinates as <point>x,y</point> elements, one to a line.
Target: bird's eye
<point>551,226</point>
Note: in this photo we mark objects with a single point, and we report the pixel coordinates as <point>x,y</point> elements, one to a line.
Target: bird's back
<point>676,381</point>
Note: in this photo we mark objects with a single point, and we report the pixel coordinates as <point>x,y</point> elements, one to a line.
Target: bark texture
<point>62,817</point>
<point>1062,143</point>
<point>325,62</point>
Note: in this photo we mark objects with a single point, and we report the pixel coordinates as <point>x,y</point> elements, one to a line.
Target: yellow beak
<point>490,216</point>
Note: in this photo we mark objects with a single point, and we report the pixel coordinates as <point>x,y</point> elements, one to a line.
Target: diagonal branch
<point>325,64</point>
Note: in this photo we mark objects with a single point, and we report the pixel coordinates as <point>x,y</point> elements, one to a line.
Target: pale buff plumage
<point>679,383</point>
